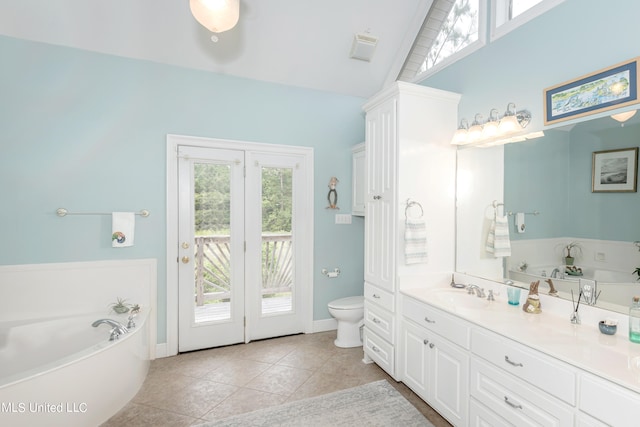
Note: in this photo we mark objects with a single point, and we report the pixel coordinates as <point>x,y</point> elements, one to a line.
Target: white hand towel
<point>415,241</point>
<point>498,242</point>
<point>122,229</point>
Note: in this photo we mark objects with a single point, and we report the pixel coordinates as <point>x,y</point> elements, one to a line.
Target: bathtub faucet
<point>118,328</point>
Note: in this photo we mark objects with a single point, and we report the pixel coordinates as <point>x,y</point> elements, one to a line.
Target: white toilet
<point>349,312</point>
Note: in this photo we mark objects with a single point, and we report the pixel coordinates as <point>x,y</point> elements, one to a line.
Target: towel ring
<point>411,203</point>
<point>497,205</point>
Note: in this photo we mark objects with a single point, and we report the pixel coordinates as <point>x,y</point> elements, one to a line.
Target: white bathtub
<point>64,372</point>
<point>618,288</point>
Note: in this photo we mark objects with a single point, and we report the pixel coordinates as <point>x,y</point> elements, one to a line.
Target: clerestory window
<point>459,29</point>
<point>510,14</point>
<point>456,28</point>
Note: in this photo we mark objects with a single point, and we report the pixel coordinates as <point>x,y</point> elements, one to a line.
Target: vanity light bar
<point>494,129</point>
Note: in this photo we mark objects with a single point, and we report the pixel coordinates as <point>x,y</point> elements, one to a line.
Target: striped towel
<point>498,239</point>
<point>415,241</point>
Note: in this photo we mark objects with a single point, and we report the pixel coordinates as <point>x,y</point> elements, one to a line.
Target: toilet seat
<point>348,303</point>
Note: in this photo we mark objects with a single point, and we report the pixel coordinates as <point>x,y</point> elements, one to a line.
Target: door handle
<point>185,260</point>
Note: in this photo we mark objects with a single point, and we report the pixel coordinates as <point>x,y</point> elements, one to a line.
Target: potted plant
<point>120,306</point>
<point>637,272</point>
<point>569,259</point>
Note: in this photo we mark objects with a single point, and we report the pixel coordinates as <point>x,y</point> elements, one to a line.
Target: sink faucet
<point>556,273</point>
<point>471,288</point>
<point>118,328</point>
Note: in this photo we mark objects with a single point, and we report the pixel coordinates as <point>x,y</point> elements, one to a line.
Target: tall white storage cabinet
<point>408,157</point>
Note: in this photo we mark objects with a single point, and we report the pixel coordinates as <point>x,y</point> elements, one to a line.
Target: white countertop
<point>612,357</point>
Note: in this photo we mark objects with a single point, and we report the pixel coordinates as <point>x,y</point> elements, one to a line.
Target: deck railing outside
<point>213,264</point>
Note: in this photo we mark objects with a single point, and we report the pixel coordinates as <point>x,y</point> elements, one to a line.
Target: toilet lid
<point>347,303</point>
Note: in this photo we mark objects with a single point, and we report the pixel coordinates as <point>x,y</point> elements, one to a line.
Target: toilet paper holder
<point>331,274</point>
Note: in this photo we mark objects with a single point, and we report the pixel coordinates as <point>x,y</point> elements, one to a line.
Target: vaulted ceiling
<point>292,42</point>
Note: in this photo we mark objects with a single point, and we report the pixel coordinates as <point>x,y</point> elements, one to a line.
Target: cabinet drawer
<point>552,376</point>
<point>480,415</point>
<point>514,400</point>
<point>450,327</point>
<point>379,321</point>
<point>382,298</point>
<point>379,351</point>
<point>609,403</point>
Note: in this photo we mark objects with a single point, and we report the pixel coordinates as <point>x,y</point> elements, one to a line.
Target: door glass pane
<point>277,243</point>
<point>212,232</point>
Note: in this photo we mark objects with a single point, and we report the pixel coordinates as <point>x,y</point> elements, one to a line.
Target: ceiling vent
<point>363,46</point>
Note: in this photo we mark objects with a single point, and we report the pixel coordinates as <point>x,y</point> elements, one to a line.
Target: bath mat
<point>373,404</point>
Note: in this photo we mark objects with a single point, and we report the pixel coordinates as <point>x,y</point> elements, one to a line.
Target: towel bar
<point>526,213</point>
<point>63,212</point>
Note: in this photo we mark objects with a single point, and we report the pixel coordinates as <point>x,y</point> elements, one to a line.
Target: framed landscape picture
<point>613,87</point>
<point>615,171</point>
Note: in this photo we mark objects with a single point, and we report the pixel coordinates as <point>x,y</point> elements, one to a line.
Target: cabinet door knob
<point>374,348</point>
<point>512,363</point>
<point>431,345</point>
<point>426,341</point>
<point>185,259</point>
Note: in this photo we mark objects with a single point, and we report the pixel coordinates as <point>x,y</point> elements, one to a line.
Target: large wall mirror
<point>548,181</point>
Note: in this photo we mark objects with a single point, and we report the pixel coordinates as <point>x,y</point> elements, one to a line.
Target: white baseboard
<point>161,350</point>
<point>318,326</point>
<point>324,325</point>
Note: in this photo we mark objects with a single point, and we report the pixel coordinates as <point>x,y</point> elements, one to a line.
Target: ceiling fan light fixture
<point>216,15</point>
<point>623,117</point>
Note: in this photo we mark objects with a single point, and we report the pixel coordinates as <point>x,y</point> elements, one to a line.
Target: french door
<point>239,245</point>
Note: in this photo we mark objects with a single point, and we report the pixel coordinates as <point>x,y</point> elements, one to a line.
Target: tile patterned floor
<point>208,385</point>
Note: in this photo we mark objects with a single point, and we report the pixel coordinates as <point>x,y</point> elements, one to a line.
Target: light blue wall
<point>536,175</point>
<point>87,132</point>
<point>553,175</point>
<point>607,216</point>
<point>575,38</point>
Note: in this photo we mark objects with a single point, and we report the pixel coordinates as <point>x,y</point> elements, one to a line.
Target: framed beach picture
<point>615,171</point>
<point>613,87</point>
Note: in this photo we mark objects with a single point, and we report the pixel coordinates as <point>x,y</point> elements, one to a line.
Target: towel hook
<point>411,203</point>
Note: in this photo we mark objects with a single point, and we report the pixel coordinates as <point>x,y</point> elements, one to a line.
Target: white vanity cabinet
<point>609,403</point>
<point>497,366</point>
<point>358,179</point>
<point>408,156</point>
<point>520,385</point>
<point>434,367</point>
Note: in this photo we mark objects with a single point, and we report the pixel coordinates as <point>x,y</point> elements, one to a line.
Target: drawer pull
<point>376,296</point>
<point>426,319</point>
<point>426,341</point>
<point>376,349</point>
<point>510,403</point>
<point>506,359</point>
<point>431,345</point>
<point>375,320</point>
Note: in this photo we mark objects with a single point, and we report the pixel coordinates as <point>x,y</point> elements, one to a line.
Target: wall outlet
<point>343,219</point>
<point>601,256</point>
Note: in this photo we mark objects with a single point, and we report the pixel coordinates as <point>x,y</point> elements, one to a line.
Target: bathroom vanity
<point>481,362</point>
